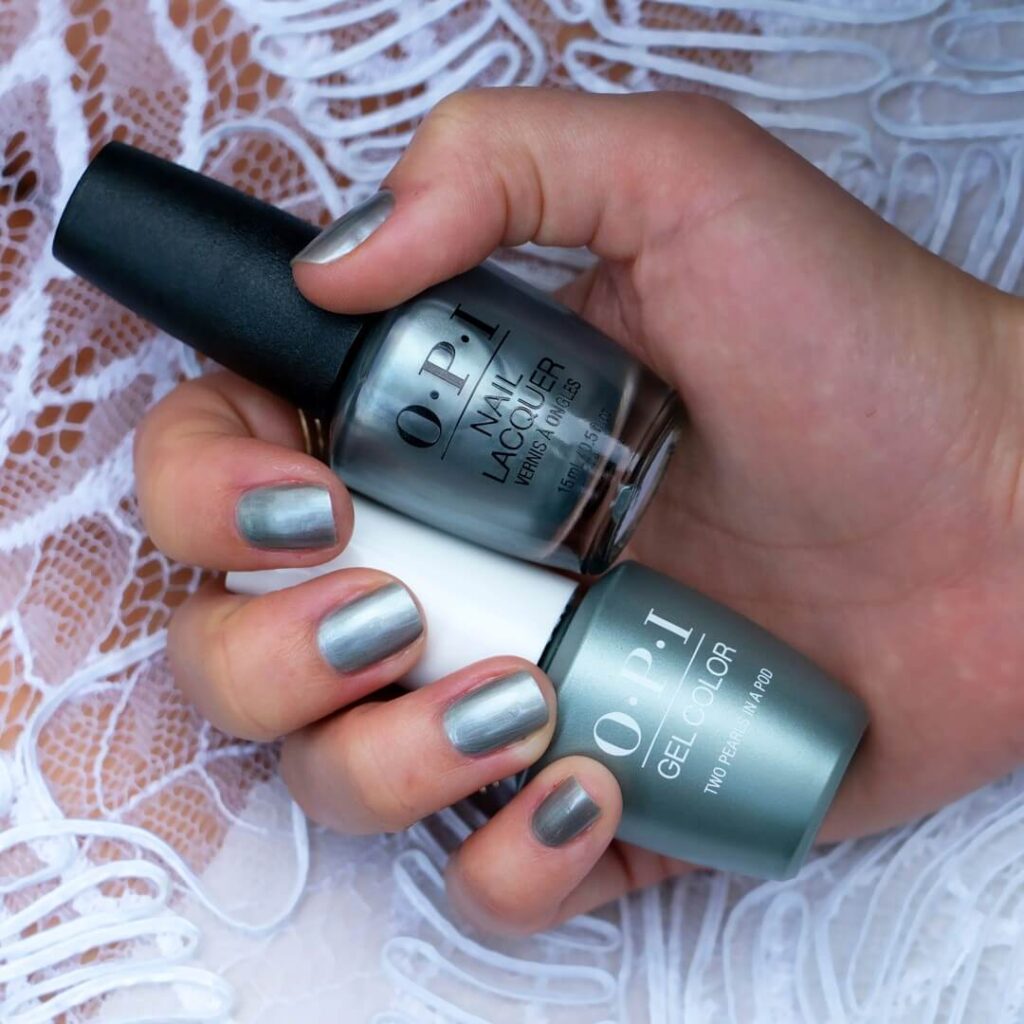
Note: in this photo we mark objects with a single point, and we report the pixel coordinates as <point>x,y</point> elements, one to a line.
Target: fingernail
<point>496,714</point>
<point>564,813</point>
<point>291,516</point>
<point>369,629</point>
<point>349,230</point>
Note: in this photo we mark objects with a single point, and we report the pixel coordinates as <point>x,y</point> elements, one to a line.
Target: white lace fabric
<point>152,869</point>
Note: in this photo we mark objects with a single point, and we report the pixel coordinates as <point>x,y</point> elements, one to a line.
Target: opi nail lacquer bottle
<point>481,406</point>
<point>727,744</point>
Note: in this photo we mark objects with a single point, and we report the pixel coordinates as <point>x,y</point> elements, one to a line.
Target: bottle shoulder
<point>360,368</point>
<point>592,609</point>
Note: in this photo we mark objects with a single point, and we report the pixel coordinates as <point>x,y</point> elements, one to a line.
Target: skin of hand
<point>851,476</point>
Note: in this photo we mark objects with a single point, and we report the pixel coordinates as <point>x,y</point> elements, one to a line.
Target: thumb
<point>505,166</point>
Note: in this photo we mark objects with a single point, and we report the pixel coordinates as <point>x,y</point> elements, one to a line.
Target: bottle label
<point>523,416</point>
<point>667,711</point>
<point>495,410</point>
<point>500,404</point>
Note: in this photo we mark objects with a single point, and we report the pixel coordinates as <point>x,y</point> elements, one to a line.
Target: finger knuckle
<point>494,903</point>
<point>461,112</point>
<point>695,107</point>
<point>698,124</point>
<point>294,767</point>
<point>379,789</point>
<point>238,708</point>
<point>160,480</point>
<point>151,471</point>
<point>162,421</point>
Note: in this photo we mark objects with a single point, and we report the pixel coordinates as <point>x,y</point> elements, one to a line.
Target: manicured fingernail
<point>496,714</point>
<point>292,517</point>
<point>564,813</point>
<point>349,230</point>
<point>369,629</point>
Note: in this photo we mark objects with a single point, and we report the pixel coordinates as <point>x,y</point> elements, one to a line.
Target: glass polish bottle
<point>728,745</point>
<point>481,406</point>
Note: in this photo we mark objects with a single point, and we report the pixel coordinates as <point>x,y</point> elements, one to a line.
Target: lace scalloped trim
<point>130,827</point>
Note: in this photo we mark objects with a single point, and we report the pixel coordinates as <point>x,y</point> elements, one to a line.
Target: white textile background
<point>152,869</point>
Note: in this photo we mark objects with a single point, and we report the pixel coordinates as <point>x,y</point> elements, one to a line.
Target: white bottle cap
<point>477,603</point>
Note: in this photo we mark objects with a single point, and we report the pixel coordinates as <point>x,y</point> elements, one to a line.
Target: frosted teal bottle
<point>728,745</point>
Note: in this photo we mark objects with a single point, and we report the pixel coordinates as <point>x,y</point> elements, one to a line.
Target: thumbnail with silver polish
<point>292,517</point>
<point>349,230</point>
<point>496,714</point>
<point>369,629</point>
<point>564,814</point>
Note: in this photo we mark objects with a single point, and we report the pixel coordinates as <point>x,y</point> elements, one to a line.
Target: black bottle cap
<point>209,265</point>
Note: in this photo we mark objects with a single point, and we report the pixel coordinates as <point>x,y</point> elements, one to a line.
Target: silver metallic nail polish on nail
<point>564,814</point>
<point>351,229</point>
<point>496,714</point>
<point>291,517</point>
<point>369,629</point>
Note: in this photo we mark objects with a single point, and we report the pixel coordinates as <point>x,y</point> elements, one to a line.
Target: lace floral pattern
<point>131,830</point>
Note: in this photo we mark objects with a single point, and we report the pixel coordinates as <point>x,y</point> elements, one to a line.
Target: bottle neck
<point>554,641</point>
<point>372,324</point>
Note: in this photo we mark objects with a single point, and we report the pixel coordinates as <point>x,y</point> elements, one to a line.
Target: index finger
<point>224,480</point>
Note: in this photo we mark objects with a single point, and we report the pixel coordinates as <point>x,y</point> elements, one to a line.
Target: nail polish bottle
<point>728,745</point>
<point>481,406</point>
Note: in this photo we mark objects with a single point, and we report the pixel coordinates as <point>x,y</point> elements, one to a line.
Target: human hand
<point>850,478</point>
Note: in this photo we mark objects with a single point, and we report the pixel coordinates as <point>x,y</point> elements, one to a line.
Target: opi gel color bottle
<point>481,406</point>
<point>727,744</point>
